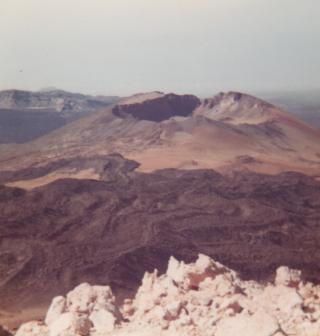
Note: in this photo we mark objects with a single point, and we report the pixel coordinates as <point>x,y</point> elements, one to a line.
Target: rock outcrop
<point>204,298</point>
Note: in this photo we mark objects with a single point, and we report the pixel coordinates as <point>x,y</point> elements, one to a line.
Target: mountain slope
<point>111,231</point>
<point>238,108</point>
<point>230,132</point>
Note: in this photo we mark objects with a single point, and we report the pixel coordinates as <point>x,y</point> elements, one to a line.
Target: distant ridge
<point>58,100</point>
<point>26,115</point>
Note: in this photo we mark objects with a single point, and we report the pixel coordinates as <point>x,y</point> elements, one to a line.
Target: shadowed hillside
<point>112,230</point>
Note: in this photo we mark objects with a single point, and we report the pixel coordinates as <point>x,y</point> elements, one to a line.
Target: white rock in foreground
<point>200,299</point>
<point>32,329</point>
<point>260,323</point>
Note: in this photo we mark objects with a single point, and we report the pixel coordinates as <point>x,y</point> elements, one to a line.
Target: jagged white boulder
<point>70,324</point>
<point>287,277</point>
<point>85,299</point>
<point>57,308</point>
<point>33,328</point>
<point>259,323</point>
<point>204,298</point>
<point>284,299</point>
<point>190,276</point>
<point>103,321</point>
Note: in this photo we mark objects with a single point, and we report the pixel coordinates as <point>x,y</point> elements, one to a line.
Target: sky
<point>121,47</point>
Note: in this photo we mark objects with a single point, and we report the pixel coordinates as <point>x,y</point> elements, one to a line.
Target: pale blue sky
<point>127,46</point>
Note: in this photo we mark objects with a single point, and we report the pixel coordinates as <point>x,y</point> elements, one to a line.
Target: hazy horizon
<point>122,47</point>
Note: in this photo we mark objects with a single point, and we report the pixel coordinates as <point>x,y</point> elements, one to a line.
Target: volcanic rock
<point>33,328</point>
<point>111,231</point>
<point>166,305</point>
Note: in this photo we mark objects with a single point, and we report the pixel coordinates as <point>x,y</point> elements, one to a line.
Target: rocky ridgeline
<point>61,101</point>
<point>203,298</point>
